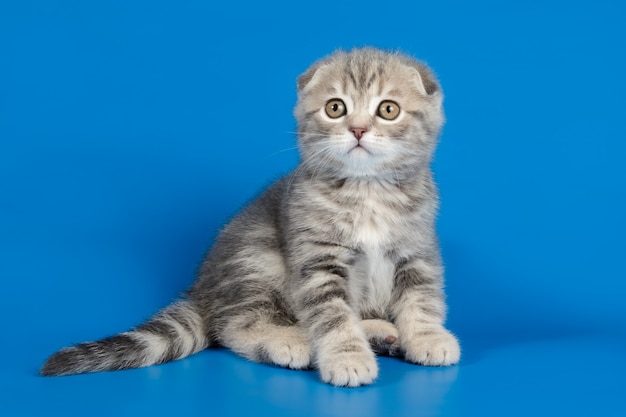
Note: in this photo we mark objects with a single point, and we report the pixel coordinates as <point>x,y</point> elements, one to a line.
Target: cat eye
<point>335,108</point>
<point>388,110</point>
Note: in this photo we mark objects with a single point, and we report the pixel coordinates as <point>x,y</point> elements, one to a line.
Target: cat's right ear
<point>308,78</point>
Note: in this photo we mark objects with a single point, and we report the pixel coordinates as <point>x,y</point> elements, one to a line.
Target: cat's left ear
<point>418,81</point>
<point>425,80</point>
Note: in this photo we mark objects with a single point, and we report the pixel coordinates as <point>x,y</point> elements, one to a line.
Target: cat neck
<point>401,193</point>
<point>337,181</point>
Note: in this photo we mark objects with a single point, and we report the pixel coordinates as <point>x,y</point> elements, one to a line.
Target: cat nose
<point>358,132</point>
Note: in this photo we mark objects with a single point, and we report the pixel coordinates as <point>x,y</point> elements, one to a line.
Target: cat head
<point>368,113</point>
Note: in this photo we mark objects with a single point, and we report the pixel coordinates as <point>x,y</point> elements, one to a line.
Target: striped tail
<point>175,332</point>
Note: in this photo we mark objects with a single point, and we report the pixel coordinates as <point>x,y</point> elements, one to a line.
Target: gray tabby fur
<point>334,262</point>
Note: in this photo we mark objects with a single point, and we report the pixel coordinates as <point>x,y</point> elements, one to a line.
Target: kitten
<point>314,272</point>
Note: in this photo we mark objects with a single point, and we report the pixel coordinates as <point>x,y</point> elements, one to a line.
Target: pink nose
<point>358,132</point>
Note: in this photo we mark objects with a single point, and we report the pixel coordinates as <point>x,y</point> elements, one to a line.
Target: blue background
<point>130,131</point>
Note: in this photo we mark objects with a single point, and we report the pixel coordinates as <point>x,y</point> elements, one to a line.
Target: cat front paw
<point>349,369</point>
<point>432,348</point>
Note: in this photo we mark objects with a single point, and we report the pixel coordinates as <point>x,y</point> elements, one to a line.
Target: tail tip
<point>60,363</point>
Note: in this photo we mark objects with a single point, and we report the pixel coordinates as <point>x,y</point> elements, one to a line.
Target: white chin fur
<point>362,162</point>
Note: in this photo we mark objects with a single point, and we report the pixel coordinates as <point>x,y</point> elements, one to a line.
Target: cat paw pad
<point>382,335</point>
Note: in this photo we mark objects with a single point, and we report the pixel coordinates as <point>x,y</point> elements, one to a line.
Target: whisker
<point>283,150</point>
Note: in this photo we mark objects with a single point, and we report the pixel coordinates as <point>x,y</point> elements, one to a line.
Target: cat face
<point>367,113</point>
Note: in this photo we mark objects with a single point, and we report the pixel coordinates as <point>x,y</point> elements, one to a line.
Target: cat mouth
<point>359,149</point>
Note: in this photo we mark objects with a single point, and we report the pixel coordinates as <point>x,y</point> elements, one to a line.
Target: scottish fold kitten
<point>337,260</point>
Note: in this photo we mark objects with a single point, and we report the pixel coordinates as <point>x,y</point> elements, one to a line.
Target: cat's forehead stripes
<point>362,76</point>
<point>365,80</point>
<point>369,71</point>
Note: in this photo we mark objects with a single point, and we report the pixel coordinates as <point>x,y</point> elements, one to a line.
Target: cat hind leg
<point>383,337</point>
<point>266,342</point>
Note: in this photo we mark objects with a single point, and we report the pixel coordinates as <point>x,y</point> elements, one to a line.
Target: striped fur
<point>333,263</point>
<point>175,332</point>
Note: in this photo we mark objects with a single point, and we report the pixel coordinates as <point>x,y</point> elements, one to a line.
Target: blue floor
<point>131,131</point>
<point>567,375</point>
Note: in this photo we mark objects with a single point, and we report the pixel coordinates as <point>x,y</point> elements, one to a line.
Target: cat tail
<point>173,333</point>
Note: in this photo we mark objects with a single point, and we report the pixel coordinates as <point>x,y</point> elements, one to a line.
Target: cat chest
<point>373,226</point>
<point>372,284</point>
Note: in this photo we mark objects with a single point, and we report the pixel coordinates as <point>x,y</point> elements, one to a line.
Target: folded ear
<point>425,80</point>
<point>418,81</point>
<point>309,76</point>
